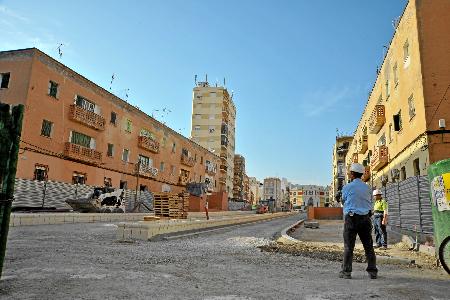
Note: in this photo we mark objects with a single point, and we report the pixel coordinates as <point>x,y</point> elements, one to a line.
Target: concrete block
<point>120,233</point>
<point>68,218</point>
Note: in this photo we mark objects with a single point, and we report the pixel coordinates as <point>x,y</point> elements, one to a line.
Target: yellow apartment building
<point>213,127</point>
<point>340,150</point>
<point>402,129</point>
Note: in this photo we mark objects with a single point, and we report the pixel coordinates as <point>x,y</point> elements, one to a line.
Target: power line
<point>440,102</point>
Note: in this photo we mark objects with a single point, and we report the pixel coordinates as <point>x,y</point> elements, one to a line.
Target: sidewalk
<point>328,237</point>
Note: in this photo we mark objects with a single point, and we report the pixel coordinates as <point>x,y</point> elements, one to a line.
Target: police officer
<point>380,216</point>
<point>357,201</point>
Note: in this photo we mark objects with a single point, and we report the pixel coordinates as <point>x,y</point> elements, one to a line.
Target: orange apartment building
<point>74,131</point>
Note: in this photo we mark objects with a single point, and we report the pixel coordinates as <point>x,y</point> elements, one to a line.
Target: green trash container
<point>439,177</point>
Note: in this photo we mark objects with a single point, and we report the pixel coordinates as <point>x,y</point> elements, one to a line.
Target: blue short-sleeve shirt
<point>357,197</point>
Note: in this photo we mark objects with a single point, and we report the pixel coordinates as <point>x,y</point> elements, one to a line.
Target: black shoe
<point>373,275</point>
<point>345,275</point>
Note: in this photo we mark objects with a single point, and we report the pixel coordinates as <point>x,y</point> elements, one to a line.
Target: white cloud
<point>6,12</point>
<point>320,101</point>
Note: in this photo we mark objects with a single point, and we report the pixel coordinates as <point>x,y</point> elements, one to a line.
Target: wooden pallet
<point>171,205</point>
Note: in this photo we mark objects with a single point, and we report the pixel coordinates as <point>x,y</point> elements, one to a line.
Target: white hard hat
<point>376,192</point>
<point>358,168</point>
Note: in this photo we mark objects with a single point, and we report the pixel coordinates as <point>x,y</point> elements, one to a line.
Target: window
<point>382,140</point>
<point>53,89</point>
<point>123,184</point>
<point>84,103</point>
<point>197,127</point>
<point>212,117</point>
<point>387,89</point>
<point>80,139</point>
<point>406,51</point>
<point>110,151</point>
<point>128,126</point>
<point>416,167</point>
<point>125,155</point>
<point>197,116</point>
<point>146,161</point>
<point>211,129</point>
<point>412,109</point>
<point>147,133</point>
<point>113,118</point>
<point>380,99</point>
<point>390,133</point>
<point>79,178</point>
<point>402,173</point>
<point>398,121</point>
<point>40,172</point>
<point>172,170</point>
<point>107,181</point>
<point>46,129</point>
<point>174,147</point>
<point>395,71</point>
<point>161,166</point>
<point>201,160</point>
<point>4,80</point>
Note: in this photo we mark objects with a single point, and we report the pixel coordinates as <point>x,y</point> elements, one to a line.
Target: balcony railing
<point>187,160</point>
<point>211,170</point>
<point>355,157</point>
<point>146,171</point>
<point>377,119</point>
<point>183,180</point>
<point>223,168</point>
<point>78,152</point>
<point>366,175</point>
<point>363,144</point>
<point>148,144</point>
<point>86,117</point>
<point>380,158</point>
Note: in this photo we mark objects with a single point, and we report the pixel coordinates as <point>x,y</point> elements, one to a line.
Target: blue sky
<point>298,69</point>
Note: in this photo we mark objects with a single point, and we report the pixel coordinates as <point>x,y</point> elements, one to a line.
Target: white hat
<point>376,192</point>
<point>357,168</point>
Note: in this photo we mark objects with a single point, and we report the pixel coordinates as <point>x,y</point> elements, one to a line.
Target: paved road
<point>83,261</point>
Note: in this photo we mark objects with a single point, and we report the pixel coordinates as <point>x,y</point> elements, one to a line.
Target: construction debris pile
<point>171,205</point>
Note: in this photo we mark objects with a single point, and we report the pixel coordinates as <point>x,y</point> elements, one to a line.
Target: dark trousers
<point>361,226</point>
<point>380,230</point>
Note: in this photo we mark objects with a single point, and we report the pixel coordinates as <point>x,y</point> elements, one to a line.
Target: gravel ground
<point>83,261</point>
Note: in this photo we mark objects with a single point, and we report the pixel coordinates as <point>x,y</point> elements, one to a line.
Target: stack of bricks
<point>171,205</point>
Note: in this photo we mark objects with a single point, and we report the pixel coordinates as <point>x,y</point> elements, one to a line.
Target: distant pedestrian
<point>380,218</point>
<point>357,201</point>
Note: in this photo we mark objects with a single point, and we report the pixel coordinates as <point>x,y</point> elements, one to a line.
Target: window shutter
<point>49,87</point>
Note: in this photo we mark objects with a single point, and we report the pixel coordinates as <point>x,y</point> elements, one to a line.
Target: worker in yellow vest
<point>380,215</point>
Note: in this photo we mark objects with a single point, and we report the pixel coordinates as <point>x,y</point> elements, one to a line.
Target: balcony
<point>363,144</point>
<point>355,157</point>
<point>223,168</point>
<point>78,152</point>
<point>86,117</point>
<point>148,144</point>
<point>146,171</point>
<point>187,160</point>
<point>211,170</point>
<point>183,180</point>
<point>366,175</point>
<point>377,119</point>
<point>380,158</point>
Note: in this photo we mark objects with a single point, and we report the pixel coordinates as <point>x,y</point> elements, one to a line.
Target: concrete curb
<point>288,240</point>
<point>160,229</point>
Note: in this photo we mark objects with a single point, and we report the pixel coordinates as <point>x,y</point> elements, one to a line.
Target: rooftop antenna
<point>60,50</point>
<point>195,79</point>
<point>112,79</point>
<point>224,82</point>
<point>217,82</point>
<point>206,78</point>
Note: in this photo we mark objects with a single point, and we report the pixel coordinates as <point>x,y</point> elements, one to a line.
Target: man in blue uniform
<point>357,201</point>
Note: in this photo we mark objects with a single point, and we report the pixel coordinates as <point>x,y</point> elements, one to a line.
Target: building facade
<point>315,195</point>
<point>255,188</point>
<point>402,131</point>
<point>213,127</point>
<point>74,131</point>
<point>272,190</point>
<point>239,178</point>
<point>340,150</point>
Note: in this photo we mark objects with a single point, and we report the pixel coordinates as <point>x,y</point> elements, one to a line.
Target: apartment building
<point>315,195</point>
<point>239,177</point>
<point>255,190</point>
<point>213,127</point>
<point>272,189</point>
<point>74,131</point>
<point>402,131</point>
<point>340,149</point>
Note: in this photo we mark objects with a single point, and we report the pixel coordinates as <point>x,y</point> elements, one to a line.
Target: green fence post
<point>10,129</point>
